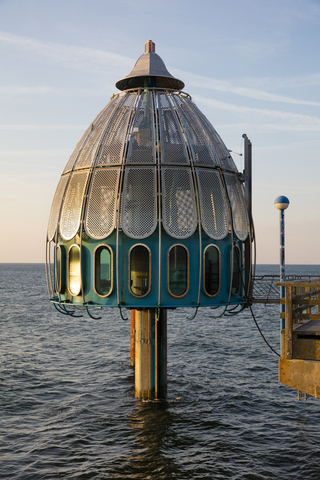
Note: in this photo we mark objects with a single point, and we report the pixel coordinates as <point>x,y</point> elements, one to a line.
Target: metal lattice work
<point>111,152</point>
<point>224,158</point>
<point>173,149</point>
<point>55,207</point>
<point>202,155</point>
<point>72,205</point>
<point>204,127</point>
<point>89,150</point>
<point>76,151</point>
<point>139,202</point>
<point>102,203</point>
<point>178,202</point>
<point>142,139</point>
<point>214,211</point>
<point>238,206</point>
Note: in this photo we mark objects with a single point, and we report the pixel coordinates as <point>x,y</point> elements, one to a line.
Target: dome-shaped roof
<point>149,70</point>
<point>145,146</point>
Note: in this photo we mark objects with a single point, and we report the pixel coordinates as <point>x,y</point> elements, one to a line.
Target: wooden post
<point>288,322</point>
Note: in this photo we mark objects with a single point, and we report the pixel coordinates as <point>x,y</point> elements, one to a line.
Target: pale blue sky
<point>251,66</point>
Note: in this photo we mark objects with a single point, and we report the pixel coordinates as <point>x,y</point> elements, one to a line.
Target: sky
<point>251,66</point>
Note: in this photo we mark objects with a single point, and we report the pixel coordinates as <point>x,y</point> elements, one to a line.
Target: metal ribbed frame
<point>109,141</point>
<point>238,206</point>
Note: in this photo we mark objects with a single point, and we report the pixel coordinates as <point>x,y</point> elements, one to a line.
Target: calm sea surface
<point>67,406</point>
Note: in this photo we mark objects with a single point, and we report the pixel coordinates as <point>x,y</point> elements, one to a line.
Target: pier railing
<point>266,290</point>
<point>299,365</point>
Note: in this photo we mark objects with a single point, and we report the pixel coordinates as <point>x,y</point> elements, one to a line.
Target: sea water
<point>67,406</point>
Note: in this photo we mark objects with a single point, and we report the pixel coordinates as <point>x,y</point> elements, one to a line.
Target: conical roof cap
<point>151,67</point>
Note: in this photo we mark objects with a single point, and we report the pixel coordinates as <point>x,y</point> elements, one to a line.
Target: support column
<point>132,338</point>
<point>150,353</point>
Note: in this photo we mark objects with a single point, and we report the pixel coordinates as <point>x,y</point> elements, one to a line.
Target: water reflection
<point>152,423</point>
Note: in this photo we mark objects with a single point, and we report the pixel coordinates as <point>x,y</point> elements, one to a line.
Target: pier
<point>299,365</point>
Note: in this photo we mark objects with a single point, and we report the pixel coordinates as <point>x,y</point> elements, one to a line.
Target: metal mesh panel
<point>91,147</point>
<point>116,133</point>
<point>173,150</point>
<point>213,202</point>
<point>238,206</point>
<point>76,151</point>
<point>142,141</point>
<point>225,158</point>
<point>55,207</point>
<point>178,202</point>
<point>201,152</point>
<point>101,210</point>
<point>71,210</point>
<point>139,205</point>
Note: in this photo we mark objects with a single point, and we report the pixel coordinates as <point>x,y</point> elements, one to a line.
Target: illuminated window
<point>139,270</point>
<point>178,270</point>
<point>74,278</point>
<point>103,270</point>
<point>236,279</point>
<point>211,270</point>
<point>59,274</point>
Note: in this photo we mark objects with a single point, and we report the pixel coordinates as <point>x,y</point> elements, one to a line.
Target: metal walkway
<point>265,290</point>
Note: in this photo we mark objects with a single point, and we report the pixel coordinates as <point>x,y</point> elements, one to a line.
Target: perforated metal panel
<point>139,202</point>
<point>178,202</point>
<point>202,154</point>
<point>90,148</point>
<point>55,207</point>
<point>76,151</point>
<point>238,206</point>
<point>101,210</point>
<point>116,130</point>
<point>173,149</point>
<point>142,140</point>
<point>214,211</point>
<point>71,210</point>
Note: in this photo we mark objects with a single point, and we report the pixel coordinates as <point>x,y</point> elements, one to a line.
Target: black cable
<point>254,318</point>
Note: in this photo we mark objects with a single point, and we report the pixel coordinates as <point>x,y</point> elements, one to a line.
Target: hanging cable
<point>254,318</point>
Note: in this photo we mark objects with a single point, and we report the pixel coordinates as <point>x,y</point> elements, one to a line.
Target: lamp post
<point>281,203</point>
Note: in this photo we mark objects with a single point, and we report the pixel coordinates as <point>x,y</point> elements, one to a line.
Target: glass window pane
<point>58,269</point>
<point>103,271</point>
<point>74,270</point>
<point>139,270</point>
<point>211,270</point>
<point>236,271</point>
<point>178,271</point>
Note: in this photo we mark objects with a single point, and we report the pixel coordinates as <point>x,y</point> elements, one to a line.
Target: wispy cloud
<point>35,128</point>
<point>36,153</point>
<point>288,120</point>
<point>87,59</point>
<point>226,86</point>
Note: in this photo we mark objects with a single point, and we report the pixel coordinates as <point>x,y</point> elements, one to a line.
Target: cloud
<point>290,121</point>
<point>36,153</point>
<point>226,86</point>
<point>35,128</point>
<point>82,58</point>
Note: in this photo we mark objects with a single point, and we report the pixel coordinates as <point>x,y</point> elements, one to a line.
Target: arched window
<point>178,270</point>
<point>211,270</point>
<point>74,277</point>
<point>139,270</point>
<point>103,270</point>
<point>60,266</point>
<point>236,279</point>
